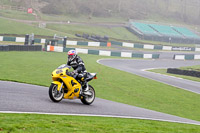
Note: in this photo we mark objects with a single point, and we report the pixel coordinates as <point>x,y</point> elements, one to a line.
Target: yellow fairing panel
<point>73,91</point>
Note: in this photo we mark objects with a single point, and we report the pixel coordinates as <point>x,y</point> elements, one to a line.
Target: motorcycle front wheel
<point>54,94</point>
<point>89,99</point>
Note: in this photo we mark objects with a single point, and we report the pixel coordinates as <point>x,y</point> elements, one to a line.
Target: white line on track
<point>146,70</point>
<point>98,61</point>
<point>93,115</point>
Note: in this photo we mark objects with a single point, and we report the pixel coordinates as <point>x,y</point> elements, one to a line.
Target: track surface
<point>138,66</point>
<point>19,97</point>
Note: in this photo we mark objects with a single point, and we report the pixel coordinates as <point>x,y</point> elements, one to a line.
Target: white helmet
<point>72,55</point>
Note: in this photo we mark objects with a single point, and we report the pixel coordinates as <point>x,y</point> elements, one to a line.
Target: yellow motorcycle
<point>65,86</point>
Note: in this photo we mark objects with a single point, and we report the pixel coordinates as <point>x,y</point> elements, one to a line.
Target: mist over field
<point>186,11</point>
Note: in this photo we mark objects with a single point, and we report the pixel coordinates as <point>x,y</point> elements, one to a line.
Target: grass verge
<point>50,123</point>
<point>112,84</point>
<point>195,68</point>
<point>164,71</point>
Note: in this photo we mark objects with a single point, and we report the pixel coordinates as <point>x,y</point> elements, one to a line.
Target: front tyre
<point>54,94</point>
<point>89,99</point>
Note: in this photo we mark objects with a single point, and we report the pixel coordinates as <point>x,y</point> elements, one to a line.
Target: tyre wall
<point>20,48</point>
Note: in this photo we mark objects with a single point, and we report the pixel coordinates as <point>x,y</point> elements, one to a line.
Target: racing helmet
<point>72,55</point>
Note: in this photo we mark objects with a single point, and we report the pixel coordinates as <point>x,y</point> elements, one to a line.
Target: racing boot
<point>85,86</point>
<point>85,89</point>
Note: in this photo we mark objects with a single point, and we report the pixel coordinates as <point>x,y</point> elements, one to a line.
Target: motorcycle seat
<point>90,76</point>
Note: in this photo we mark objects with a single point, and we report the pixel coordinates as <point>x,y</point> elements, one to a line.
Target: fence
<point>106,44</point>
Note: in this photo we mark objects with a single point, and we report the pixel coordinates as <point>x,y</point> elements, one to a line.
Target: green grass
<point>81,18</point>
<point>164,71</point>
<point>115,32</point>
<point>16,14</point>
<point>195,68</point>
<point>12,27</point>
<point>36,68</point>
<point>5,2</point>
<point>47,17</point>
<point>76,124</point>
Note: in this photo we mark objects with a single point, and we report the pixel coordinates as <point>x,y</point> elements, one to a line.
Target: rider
<point>79,68</point>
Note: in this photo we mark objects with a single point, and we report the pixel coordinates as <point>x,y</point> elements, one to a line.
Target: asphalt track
<point>138,67</point>
<point>19,98</point>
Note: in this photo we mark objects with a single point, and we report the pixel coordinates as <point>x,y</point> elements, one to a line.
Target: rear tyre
<point>54,94</point>
<point>89,99</point>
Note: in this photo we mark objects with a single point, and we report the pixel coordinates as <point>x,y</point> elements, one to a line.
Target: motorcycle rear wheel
<point>54,95</point>
<point>89,99</point>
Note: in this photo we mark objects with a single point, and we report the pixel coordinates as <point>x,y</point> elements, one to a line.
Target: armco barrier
<point>103,52</point>
<point>20,48</point>
<point>105,44</point>
<point>183,72</point>
<point>186,57</point>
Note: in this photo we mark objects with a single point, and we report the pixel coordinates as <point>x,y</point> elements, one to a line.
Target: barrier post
<point>32,39</point>
<point>65,42</point>
<point>26,39</point>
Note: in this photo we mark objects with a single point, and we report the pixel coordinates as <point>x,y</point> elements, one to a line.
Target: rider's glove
<point>75,71</point>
